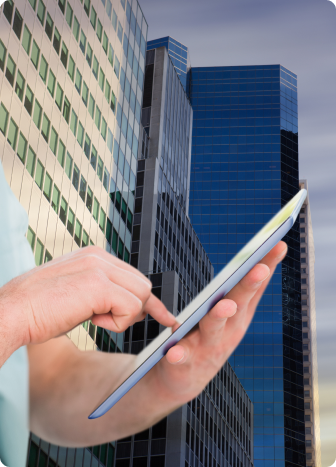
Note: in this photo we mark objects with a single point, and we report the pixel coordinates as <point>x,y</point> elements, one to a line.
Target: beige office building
<point>71,84</point>
<point>310,373</point>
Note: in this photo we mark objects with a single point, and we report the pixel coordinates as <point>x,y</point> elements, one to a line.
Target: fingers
<point>159,312</point>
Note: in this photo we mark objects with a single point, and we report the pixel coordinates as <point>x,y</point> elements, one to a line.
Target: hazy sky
<point>300,35</point>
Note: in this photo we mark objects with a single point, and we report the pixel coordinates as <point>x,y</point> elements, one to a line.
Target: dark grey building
<point>216,428</point>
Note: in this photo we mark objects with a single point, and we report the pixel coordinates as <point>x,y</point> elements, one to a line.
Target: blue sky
<point>300,35</point>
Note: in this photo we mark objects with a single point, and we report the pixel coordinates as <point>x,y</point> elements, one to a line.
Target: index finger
<point>159,312</point>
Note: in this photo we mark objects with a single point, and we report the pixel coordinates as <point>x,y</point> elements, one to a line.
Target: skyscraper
<point>71,77</point>
<point>310,373</point>
<point>215,429</point>
<point>244,169</point>
<point>178,53</point>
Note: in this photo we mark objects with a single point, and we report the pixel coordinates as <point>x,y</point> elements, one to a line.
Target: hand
<point>90,283</point>
<point>197,358</point>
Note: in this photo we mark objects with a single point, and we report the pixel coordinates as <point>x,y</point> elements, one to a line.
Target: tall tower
<point>310,370</point>
<point>215,429</point>
<point>71,83</point>
<point>244,169</point>
<point>178,53</point>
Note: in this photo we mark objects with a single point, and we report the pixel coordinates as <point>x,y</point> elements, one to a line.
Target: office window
<point>31,161</point>
<point>71,68</point>
<point>97,117</point>
<point>107,91</point>
<point>109,140</point>
<point>99,30</point>
<point>53,140</point>
<point>31,238</point>
<point>57,41</point>
<point>20,84</point>
<point>111,54</point>
<point>114,20</point>
<point>95,67</point>
<point>45,127</point>
<point>29,100</point>
<point>103,128</point>
<point>51,83</point>
<point>85,93</point>
<point>75,30</point>
<point>68,165</point>
<point>93,160</point>
<point>17,24</point>
<point>66,109</point>
<point>120,32</point>
<point>100,169</point>
<point>93,18</point>
<point>101,79</point>
<point>37,114</point>
<point>80,134</point>
<point>39,174</point>
<point>113,102</point>
<point>78,232</point>
<point>59,97</point>
<point>108,8</point>
<point>49,27</point>
<point>89,198</point>
<point>89,55</point>
<point>91,106</point>
<point>73,123</point>
<point>47,256</point>
<point>87,146</point>
<point>78,82</point>
<point>85,239</point>
<point>87,7</point>
<point>63,210</point>
<point>12,133</point>
<point>116,67</point>
<point>105,43</point>
<point>39,252</point>
<point>71,222</point>
<point>22,148</point>
<point>43,69</point>
<point>33,4</point>
<point>82,188</point>
<point>3,52</point>
<point>8,10</point>
<point>64,55</point>
<point>10,70</point>
<point>47,186</point>
<point>61,153</point>
<point>61,4</point>
<point>106,179</point>
<point>41,9</point>
<point>35,54</point>
<point>69,15</point>
<point>102,220</point>
<point>75,177</point>
<point>95,211</point>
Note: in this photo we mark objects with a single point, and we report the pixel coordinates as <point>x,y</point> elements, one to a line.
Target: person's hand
<point>90,283</point>
<point>197,358</point>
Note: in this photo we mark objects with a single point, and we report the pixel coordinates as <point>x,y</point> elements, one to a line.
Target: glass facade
<point>178,53</point>
<point>244,169</point>
<point>214,429</point>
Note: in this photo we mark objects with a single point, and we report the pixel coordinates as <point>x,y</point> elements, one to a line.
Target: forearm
<point>66,386</point>
<point>11,326</point>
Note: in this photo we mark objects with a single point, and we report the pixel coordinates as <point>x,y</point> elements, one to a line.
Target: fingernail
<point>178,361</point>
<point>257,284</point>
<point>282,254</point>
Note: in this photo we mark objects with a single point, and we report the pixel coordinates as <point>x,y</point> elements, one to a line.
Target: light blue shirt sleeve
<point>16,257</point>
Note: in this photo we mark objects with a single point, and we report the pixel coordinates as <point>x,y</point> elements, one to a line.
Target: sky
<point>301,36</point>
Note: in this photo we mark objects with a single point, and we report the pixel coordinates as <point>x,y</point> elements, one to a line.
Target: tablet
<point>230,275</point>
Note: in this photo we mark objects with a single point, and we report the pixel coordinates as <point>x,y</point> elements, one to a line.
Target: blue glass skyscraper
<point>178,53</point>
<point>244,169</point>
